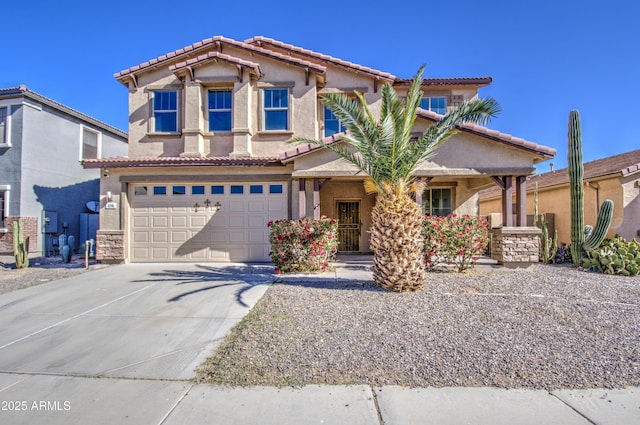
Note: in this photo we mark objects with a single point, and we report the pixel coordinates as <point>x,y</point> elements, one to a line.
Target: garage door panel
<point>256,236</point>
<point>237,206</point>
<point>237,221</point>
<point>140,222</point>
<point>277,205</point>
<point>256,205</point>
<point>179,236</point>
<point>169,228</point>
<point>159,221</point>
<point>237,236</point>
<point>159,237</point>
<point>140,236</point>
<point>179,221</point>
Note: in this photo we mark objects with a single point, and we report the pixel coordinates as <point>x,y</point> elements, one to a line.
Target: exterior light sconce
<point>109,196</point>
<point>105,172</point>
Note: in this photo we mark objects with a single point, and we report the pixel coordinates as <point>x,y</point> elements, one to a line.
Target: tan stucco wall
<point>630,227</point>
<point>557,200</point>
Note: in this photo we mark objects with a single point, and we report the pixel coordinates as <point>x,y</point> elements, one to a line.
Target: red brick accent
<point>30,229</point>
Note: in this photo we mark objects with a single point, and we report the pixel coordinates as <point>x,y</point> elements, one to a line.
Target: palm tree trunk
<point>397,243</point>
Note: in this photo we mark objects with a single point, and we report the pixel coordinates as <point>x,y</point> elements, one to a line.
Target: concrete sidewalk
<point>53,400</point>
<point>119,346</point>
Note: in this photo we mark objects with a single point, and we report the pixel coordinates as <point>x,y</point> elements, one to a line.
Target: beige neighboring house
<point>209,164</point>
<point>616,177</point>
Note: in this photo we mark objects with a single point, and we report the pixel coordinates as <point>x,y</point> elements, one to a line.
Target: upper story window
<point>220,110</point>
<point>332,124</point>
<point>165,111</point>
<point>437,202</point>
<point>5,115</point>
<point>90,144</point>
<point>276,109</point>
<point>437,104</point>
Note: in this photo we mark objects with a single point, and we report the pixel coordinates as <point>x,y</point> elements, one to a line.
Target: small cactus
<point>66,246</point>
<point>20,245</point>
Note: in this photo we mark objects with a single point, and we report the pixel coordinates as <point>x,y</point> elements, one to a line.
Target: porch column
<point>521,201</point>
<point>302,199</point>
<point>316,198</point>
<point>507,200</point>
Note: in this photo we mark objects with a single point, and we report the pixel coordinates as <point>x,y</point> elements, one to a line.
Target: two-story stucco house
<point>209,164</point>
<point>42,180</point>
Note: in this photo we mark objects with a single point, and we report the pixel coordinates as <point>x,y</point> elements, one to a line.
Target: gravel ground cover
<point>40,270</point>
<point>544,327</point>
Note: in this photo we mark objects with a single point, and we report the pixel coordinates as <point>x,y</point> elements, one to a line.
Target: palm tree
<point>384,149</point>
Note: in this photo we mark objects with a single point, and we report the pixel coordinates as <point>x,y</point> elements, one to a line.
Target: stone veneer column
<point>110,246</point>
<point>515,246</point>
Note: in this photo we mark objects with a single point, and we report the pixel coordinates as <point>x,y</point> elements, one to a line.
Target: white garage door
<point>204,222</point>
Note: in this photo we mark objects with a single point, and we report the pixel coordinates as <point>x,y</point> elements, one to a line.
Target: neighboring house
<point>209,164</point>
<point>616,177</point>
<point>42,181</point>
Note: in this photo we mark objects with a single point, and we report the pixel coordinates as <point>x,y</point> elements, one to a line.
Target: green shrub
<point>455,240</point>
<point>615,257</point>
<point>303,245</point>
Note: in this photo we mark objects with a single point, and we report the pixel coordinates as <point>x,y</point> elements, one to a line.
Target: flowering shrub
<point>457,240</point>
<point>303,245</point>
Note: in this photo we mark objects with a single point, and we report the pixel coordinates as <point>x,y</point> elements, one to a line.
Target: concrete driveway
<point>151,323</point>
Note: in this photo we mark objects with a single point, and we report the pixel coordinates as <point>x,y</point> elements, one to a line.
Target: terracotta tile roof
<point>24,91</point>
<point>478,130</point>
<point>269,42</point>
<point>507,139</point>
<point>215,161</point>
<point>623,164</point>
<point>216,43</point>
<point>458,81</point>
<point>217,56</point>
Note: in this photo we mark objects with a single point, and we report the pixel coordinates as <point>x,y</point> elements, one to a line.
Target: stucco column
<point>507,200</point>
<point>242,98</point>
<point>302,199</point>
<point>193,120</point>
<point>316,198</point>
<point>521,201</point>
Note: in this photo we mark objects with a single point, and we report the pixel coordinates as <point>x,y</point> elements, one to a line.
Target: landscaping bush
<point>615,257</point>
<point>303,245</point>
<point>454,240</point>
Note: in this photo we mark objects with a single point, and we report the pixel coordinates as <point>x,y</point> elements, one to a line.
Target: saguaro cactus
<point>20,245</point>
<point>583,238</point>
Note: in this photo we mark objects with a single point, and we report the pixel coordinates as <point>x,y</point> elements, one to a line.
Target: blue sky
<point>546,57</point>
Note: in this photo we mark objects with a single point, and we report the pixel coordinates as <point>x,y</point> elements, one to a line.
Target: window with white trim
<point>332,124</point>
<point>276,109</point>
<point>437,202</point>
<point>437,104</point>
<point>220,112</point>
<point>165,111</point>
<point>5,116</point>
<point>4,204</point>
<point>90,143</point>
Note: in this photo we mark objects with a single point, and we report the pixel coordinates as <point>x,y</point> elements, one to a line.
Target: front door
<point>348,226</point>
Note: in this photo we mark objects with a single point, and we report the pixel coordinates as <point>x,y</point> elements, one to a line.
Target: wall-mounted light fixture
<point>109,196</point>
<point>105,172</point>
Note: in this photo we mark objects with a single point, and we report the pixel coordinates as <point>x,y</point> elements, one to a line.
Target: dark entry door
<point>348,226</point>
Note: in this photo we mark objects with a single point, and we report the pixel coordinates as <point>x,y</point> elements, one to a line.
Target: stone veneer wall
<point>30,229</point>
<point>110,246</point>
<point>515,245</point>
